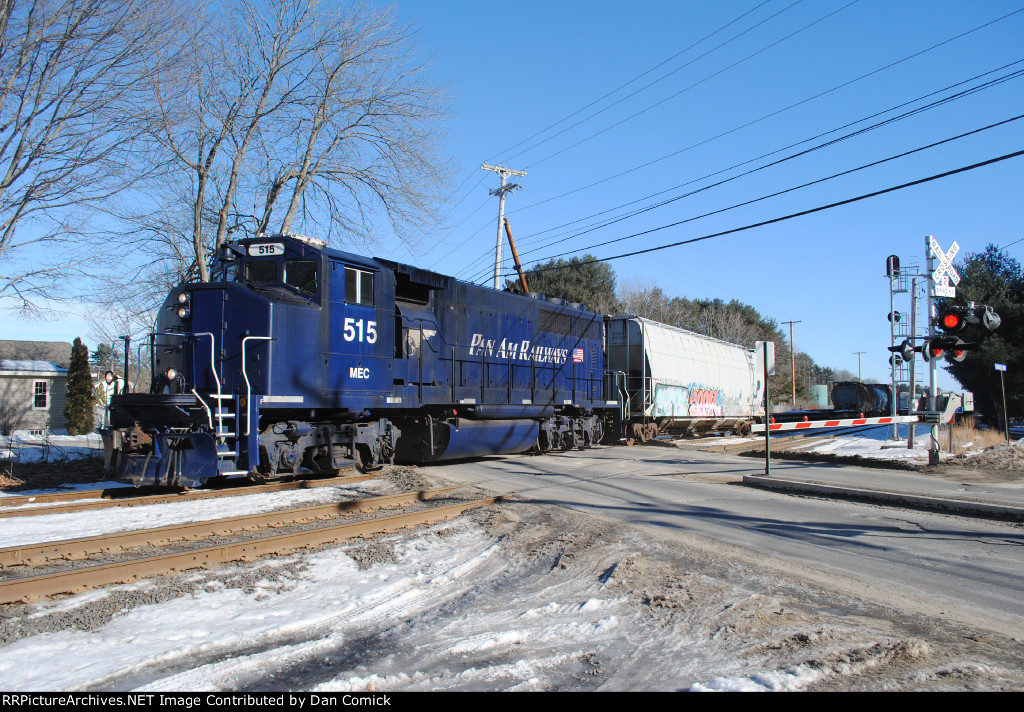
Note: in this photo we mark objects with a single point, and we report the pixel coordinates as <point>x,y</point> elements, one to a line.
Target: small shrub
<point>967,438</point>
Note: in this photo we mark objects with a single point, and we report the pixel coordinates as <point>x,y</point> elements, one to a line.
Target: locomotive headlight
<point>171,374</point>
<point>183,298</point>
<point>184,313</point>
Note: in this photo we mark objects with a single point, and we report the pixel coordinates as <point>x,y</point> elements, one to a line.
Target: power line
<point>769,165</point>
<point>637,77</point>
<point>695,84</point>
<point>935,104</point>
<point>791,189</point>
<point>791,216</point>
<point>779,111</point>
<point>648,86</point>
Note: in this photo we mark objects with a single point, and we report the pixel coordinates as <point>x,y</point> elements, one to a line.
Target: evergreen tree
<point>997,280</point>
<point>575,280</point>
<point>103,358</point>
<point>80,395</point>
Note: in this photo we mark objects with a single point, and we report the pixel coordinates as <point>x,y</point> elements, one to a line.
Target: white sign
<point>266,249</point>
<point>945,272</point>
<point>759,347</point>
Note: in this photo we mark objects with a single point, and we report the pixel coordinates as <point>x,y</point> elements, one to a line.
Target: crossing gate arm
<point>841,423</point>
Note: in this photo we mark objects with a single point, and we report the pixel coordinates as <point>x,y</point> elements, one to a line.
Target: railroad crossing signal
<point>945,271</point>
<point>904,351</point>
<point>952,347</point>
<point>953,319</point>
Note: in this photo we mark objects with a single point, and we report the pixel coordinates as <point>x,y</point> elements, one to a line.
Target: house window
<point>40,400</point>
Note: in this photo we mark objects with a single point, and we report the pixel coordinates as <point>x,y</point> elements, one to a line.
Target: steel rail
<point>28,588</point>
<point>109,501</point>
<point>34,554</point>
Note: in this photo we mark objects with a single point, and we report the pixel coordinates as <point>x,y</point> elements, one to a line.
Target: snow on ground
<point>457,608</point>
<point>30,495</point>
<point>533,598</point>
<point>289,619</point>
<point>16,531</point>
<point>875,445</point>
<point>34,448</point>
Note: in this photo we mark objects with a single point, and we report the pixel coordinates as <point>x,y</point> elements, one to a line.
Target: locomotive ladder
<point>227,456</point>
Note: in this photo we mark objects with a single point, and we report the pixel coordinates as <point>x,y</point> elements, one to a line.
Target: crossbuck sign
<point>945,272</point>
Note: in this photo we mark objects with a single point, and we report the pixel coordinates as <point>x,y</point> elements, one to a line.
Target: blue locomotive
<point>296,358</point>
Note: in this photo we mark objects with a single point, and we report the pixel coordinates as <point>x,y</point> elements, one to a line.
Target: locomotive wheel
<point>364,460</point>
<point>568,441</point>
<point>641,432</point>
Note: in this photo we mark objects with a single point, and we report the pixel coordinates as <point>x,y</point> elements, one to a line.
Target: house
<point>33,385</point>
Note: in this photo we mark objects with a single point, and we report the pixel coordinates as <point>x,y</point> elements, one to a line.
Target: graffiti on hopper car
<point>695,400</point>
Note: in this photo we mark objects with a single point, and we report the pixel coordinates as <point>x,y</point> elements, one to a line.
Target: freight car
<point>679,382</point>
<point>297,358</point>
<point>871,399</point>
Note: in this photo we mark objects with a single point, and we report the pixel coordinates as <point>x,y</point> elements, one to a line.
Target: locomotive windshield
<point>261,271</point>
<point>300,275</point>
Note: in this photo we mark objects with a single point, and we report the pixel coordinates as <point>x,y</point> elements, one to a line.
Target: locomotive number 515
<point>354,328</point>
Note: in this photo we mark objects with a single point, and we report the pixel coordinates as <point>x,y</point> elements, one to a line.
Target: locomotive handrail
<point>216,379</point>
<point>213,368</point>
<point>209,414</point>
<point>248,386</point>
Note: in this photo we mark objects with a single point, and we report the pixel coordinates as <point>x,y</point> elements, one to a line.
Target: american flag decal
<point>577,356</point>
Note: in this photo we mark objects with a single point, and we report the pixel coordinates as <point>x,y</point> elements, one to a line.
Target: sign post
<point>1001,367</point>
<point>767,349</point>
<point>939,277</point>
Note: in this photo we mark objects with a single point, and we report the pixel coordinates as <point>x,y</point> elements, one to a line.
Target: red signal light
<point>950,321</point>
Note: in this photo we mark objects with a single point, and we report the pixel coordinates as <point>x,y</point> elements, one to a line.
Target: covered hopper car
<point>679,382</point>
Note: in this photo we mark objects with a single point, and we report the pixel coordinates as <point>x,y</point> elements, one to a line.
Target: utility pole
<point>859,353</point>
<point>500,192</point>
<point>792,356</point>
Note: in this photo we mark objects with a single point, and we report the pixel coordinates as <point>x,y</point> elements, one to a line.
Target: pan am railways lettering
<point>518,350</point>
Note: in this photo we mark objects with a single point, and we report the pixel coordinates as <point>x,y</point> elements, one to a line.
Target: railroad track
<point>103,499</point>
<point>31,587</point>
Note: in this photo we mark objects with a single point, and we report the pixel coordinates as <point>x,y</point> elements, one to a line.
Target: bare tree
<point>368,133</point>
<point>319,115</point>
<point>73,124</point>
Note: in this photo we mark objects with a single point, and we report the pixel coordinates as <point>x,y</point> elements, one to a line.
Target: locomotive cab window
<point>224,272</point>
<point>301,275</point>
<point>261,271</point>
<point>359,287</point>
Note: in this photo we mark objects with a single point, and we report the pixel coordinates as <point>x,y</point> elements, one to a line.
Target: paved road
<point>959,567</point>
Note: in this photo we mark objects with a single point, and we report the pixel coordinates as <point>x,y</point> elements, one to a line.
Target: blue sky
<point>515,70</point>
<point>519,69</point>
